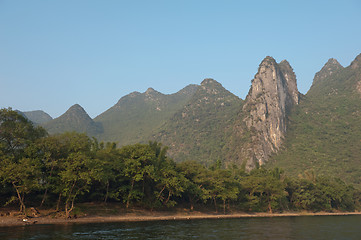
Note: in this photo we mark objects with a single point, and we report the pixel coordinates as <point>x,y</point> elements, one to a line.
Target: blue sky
<point>54,54</point>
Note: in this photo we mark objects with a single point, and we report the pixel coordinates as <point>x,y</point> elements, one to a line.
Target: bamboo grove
<point>58,171</point>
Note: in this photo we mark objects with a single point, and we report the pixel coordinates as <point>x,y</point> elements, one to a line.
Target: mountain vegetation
<point>275,126</point>
<point>60,170</point>
<point>75,119</point>
<point>324,134</point>
<point>200,130</point>
<point>38,117</point>
<point>136,116</point>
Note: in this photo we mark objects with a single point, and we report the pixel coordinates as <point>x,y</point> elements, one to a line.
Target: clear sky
<point>54,54</point>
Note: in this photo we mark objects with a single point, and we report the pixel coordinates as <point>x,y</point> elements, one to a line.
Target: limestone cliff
<point>272,94</point>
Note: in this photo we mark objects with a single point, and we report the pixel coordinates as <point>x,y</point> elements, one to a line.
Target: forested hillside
<point>324,133</point>
<point>200,130</point>
<point>37,117</point>
<point>61,170</point>
<point>136,116</point>
<point>274,126</point>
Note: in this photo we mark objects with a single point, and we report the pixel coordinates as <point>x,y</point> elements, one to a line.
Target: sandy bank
<point>20,221</point>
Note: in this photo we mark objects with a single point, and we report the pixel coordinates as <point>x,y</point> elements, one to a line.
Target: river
<point>307,227</point>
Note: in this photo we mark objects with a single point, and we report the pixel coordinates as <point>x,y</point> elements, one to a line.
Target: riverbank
<point>143,215</point>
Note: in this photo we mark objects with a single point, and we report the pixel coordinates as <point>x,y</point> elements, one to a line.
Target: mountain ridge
<point>37,116</point>
<point>275,125</point>
<point>135,116</point>
<point>74,119</point>
<point>198,130</point>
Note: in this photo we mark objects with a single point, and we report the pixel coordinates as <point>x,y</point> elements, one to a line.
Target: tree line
<point>59,170</point>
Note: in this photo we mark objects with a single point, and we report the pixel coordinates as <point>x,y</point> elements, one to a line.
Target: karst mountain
<point>274,125</point>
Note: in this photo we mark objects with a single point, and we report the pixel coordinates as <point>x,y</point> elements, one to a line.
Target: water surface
<point>307,227</point>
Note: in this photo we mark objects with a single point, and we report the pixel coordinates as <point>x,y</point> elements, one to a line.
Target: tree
<point>168,181</point>
<point>77,170</point>
<point>111,166</point>
<point>23,175</point>
<point>17,138</point>
<point>17,133</point>
<point>137,161</point>
<point>52,151</point>
<point>322,193</point>
<point>223,186</point>
<point>195,179</point>
<point>264,190</point>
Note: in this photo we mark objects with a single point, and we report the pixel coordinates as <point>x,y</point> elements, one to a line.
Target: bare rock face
<point>291,82</point>
<point>358,86</point>
<point>272,94</point>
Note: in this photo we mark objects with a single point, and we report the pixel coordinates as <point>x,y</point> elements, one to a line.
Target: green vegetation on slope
<point>37,117</point>
<point>61,170</point>
<point>136,116</point>
<point>324,133</point>
<point>206,123</point>
<point>75,119</point>
<point>200,130</point>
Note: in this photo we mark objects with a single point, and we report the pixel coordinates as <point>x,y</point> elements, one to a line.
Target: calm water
<point>317,227</point>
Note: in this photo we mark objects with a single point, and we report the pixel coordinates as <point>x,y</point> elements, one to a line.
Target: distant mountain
<point>324,133</point>
<point>136,116</point>
<point>74,119</point>
<point>200,129</point>
<point>37,117</point>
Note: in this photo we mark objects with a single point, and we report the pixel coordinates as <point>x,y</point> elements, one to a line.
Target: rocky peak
<point>208,81</point>
<point>74,119</point>
<point>268,61</point>
<point>356,63</point>
<point>272,94</point>
<point>211,86</point>
<point>284,62</point>
<point>152,95</point>
<point>77,112</point>
<point>76,108</point>
<point>291,81</point>
<point>150,91</point>
<point>327,70</point>
<point>212,93</point>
